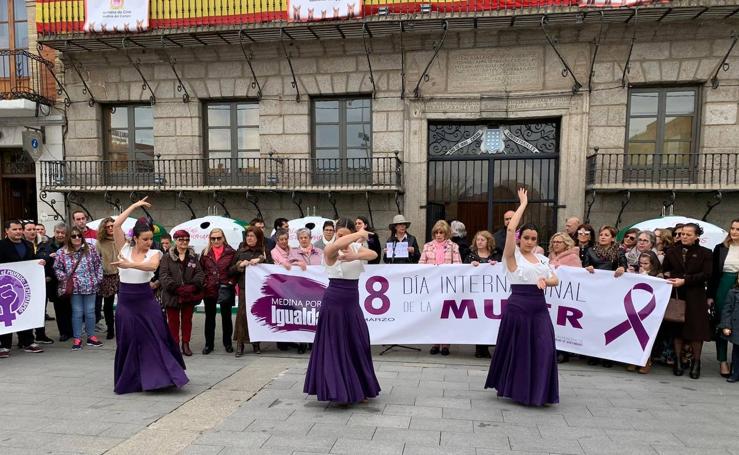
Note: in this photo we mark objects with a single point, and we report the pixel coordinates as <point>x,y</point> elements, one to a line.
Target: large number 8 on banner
<point>374,295</point>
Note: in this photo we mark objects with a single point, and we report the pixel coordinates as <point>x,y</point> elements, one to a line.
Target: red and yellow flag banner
<point>68,16</point>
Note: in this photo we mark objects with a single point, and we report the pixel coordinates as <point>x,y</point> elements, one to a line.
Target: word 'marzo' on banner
<point>116,16</point>
<point>593,314</point>
<point>22,296</point>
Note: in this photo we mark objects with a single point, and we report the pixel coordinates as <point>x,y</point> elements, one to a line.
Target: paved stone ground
<point>62,402</point>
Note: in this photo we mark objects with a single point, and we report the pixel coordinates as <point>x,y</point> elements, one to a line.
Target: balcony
<point>257,174</point>
<point>680,172</point>
<point>25,76</point>
<point>177,23</point>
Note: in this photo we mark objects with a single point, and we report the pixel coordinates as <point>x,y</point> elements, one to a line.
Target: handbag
<point>69,283</point>
<point>675,311</point>
<point>188,294</point>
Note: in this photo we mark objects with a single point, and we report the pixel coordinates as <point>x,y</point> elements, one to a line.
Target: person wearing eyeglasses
<point>216,260</point>
<point>62,306</point>
<point>689,267</point>
<point>80,261</point>
<point>327,237</point>
<point>440,250</point>
<point>585,240</point>
<point>250,252</point>
<point>629,247</point>
<point>181,279</point>
<point>109,285</point>
<point>146,357</point>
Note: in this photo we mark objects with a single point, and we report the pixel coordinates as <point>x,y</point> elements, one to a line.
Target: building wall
<point>490,74</point>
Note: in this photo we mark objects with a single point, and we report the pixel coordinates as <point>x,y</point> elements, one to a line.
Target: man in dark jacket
<point>14,248</point>
<point>500,234</point>
<point>62,306</point>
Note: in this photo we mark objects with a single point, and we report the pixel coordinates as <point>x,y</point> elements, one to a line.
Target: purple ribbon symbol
<point>633,319</point>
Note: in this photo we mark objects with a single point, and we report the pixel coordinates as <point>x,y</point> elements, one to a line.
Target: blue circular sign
<point>34,143</point>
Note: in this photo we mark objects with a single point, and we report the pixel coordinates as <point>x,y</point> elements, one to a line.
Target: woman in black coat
<point>688,267</point>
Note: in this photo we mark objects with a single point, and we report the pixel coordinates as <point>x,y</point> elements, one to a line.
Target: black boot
<point>695,369</point>
<point>678,368</point>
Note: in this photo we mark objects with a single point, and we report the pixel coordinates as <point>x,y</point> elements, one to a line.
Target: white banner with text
<point>102,16</point>
<point>22,296</point>
<point>593,314</point>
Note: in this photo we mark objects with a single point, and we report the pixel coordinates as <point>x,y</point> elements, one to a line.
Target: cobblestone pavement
<point>62,402</point>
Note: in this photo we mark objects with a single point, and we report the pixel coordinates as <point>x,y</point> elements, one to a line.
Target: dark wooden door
<point>19,198</point>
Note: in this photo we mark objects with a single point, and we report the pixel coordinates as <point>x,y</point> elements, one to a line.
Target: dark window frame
<point>9,69</point>
<point>661,114</point>
<point>249,173</point>
<point>136,168</point>
<point>343,145</point>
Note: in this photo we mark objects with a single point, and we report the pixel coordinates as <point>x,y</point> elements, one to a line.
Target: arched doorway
<point>474,169</point>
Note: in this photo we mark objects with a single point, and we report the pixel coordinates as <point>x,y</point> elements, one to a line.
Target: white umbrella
<point>127,225</point>
<point>314,223</point>
<point>200,228</point>
<point>712,234</point>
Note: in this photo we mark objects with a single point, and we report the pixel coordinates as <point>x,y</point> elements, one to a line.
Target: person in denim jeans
<point>79,259</point>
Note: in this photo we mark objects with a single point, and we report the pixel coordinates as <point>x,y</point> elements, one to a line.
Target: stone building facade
<point>489,86</point>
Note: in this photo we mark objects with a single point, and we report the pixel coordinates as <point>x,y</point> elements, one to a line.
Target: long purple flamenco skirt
<point>524,365</point>
<point>146,357</point>
<point>340,367</point>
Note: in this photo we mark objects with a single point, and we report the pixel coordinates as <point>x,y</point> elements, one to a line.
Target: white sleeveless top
<point>526,272</point>
<point>134,276</point>
<point>346,270</point>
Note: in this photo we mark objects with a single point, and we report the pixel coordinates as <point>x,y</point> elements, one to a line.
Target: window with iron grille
<point>342,138</point>
<point>232,139</point>
<point>129,140</point>
<point>662,131</point>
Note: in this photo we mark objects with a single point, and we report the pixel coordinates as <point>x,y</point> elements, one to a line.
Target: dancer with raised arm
<point>146,357</point>
<point>524,365</point>
<point>340,367</point>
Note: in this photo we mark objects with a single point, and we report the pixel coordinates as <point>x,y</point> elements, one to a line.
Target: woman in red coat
<point>219,288</point>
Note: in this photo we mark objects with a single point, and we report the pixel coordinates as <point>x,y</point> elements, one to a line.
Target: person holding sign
<point>524,365</point>
<point>146,356</point>
<point>340,367</point>
<point>401,247</point>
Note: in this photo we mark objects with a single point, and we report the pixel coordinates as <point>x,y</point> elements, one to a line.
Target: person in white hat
<point>394,251</point>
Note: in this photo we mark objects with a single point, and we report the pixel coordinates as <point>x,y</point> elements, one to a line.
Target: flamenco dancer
<point>340,367</point>
<point>524,365</point>
<point>146,357</point>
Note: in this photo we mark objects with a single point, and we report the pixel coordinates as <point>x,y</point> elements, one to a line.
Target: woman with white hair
<point>459,236</point>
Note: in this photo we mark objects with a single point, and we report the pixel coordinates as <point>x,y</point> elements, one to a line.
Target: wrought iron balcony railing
<point>260,174</point>
<point>26,75</point>
<point>673,171</point>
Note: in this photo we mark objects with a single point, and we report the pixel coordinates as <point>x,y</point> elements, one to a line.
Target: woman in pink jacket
<point>441,250</point>
<point>562,251</point>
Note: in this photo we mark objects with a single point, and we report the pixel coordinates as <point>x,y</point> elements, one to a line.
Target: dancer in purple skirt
<point>340,367</point>
<point>146,357</point>
<point>524,365</point>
